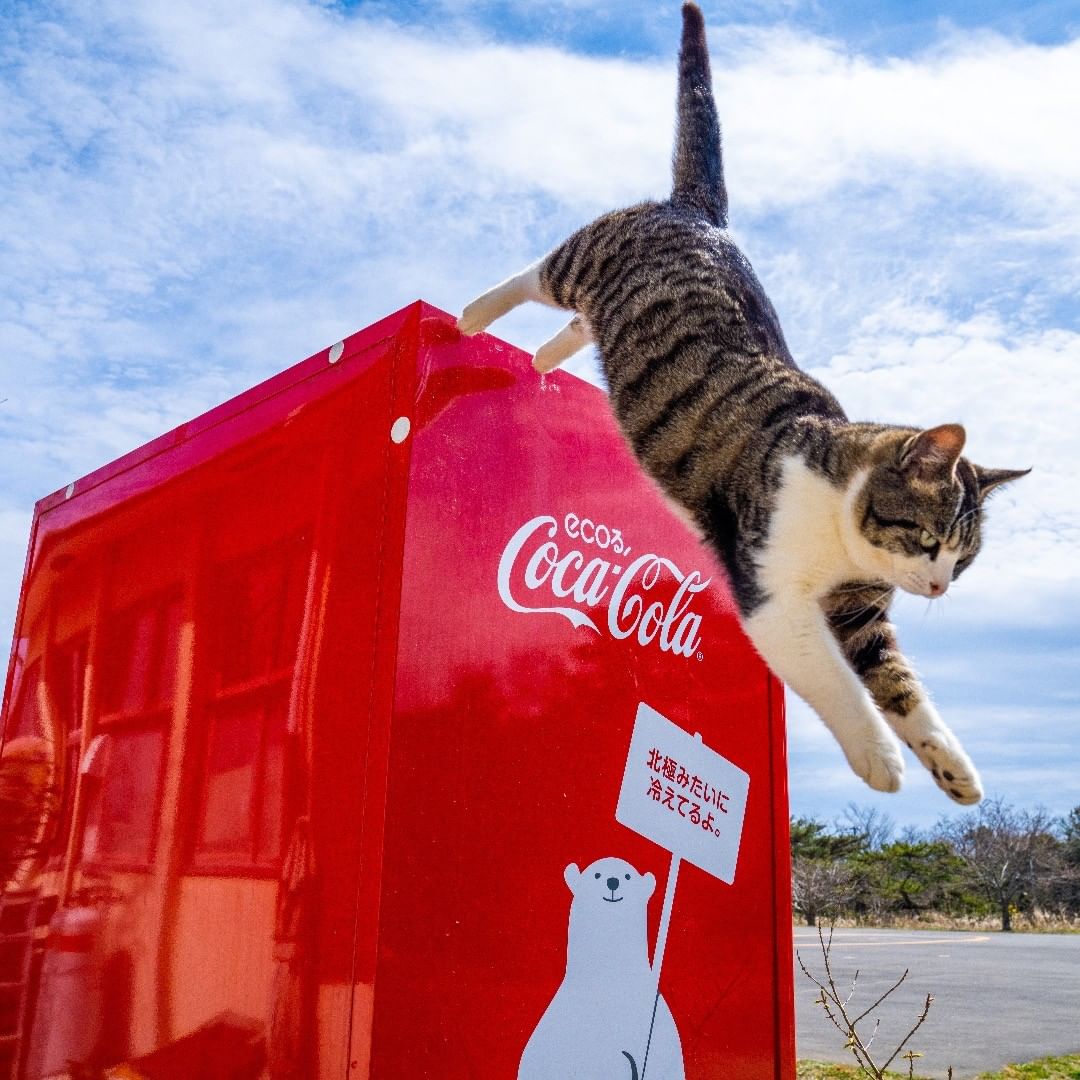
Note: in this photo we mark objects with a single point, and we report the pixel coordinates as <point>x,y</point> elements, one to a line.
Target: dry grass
<point>1058,1068</point>
<point>1038,922</point>
<point>821,1070</point>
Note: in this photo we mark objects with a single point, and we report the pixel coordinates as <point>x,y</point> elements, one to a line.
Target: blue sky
<point>196,195</point>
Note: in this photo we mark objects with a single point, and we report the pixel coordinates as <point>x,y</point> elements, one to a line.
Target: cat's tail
<point>698,164</point>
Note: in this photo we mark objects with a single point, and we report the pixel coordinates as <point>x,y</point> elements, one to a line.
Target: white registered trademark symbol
<point>700,655</point>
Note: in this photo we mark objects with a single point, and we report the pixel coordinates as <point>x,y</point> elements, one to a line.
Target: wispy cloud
<point>196,196</point>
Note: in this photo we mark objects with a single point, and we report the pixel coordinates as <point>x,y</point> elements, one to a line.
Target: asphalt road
<point>998,998</point>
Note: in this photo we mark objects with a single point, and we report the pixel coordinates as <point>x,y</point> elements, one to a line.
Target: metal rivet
<point>69,490</point>
<point>336,351</point>
<point>401,428</point>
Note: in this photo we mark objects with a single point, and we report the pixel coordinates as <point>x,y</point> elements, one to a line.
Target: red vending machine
<point>384,723</point>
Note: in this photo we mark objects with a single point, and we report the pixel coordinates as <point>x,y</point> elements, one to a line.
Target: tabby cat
<point>817,519</point>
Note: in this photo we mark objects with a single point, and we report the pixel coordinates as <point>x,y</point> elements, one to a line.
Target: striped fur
<point>817,519</point>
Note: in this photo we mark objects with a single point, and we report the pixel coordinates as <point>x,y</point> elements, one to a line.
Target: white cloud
<point>197,196</point>
<point>807,115</point>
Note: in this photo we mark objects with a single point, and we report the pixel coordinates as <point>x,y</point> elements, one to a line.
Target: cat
<point>816,519</point>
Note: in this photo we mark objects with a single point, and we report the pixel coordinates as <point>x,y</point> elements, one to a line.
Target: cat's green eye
<point>927,540</point>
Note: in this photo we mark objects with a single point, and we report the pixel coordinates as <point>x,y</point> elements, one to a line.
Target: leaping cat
<point>817,519</point>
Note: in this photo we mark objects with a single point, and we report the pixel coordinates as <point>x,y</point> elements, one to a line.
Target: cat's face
<point>919,512</point>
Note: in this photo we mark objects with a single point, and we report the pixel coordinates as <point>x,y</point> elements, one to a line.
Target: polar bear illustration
<point>597,1025</point>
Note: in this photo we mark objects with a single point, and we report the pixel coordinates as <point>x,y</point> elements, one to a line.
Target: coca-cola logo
<point>546,563</point>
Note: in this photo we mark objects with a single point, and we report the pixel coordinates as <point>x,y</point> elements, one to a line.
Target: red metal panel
<point>231,586</point>
<point>511,729</point>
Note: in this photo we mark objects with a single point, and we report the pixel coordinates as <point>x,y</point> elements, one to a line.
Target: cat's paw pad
<point>880,764</point>
<point>473,319</point>
<point>950,767</point>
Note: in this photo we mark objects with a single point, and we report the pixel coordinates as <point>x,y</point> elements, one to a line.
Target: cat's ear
<point>934,451</point>
<point>989,479</point>
<point>571,875</point>
<point>650,881</point>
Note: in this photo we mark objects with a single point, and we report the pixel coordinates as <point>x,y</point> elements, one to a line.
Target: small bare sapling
<point>840,1011</point>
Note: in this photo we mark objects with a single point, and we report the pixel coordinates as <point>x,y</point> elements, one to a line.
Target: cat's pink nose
<point>936,589</point>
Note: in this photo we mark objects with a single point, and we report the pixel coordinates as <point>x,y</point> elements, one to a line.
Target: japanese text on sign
<point>670,769</point>
<point>683,795</point>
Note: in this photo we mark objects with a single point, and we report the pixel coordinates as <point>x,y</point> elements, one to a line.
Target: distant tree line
<point>995,860</point>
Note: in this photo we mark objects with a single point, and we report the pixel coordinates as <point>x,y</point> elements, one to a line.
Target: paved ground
<point>997,997</point>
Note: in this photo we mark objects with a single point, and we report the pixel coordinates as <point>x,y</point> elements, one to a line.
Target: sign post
<point>687,798</point>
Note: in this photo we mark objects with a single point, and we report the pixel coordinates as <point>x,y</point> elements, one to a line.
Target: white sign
<point>682,795</point>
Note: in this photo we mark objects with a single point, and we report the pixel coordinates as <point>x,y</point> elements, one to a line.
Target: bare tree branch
<point>836,1010</point>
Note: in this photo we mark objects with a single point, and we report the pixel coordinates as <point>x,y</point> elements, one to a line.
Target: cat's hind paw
<point>573,336</point>
<point>474,318</point>
<point>546,359</point>
<point>879,764</point>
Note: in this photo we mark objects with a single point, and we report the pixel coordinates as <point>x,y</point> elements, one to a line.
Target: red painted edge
<point>6,704</point>
<point>383,676</point>
<point>783,937</point>
<point>314,365</point>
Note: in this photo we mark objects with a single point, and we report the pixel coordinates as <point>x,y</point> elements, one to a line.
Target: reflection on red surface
<point>290,785</point>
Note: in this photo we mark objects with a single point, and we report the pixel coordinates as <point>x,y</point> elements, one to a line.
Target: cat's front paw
<point>940,752</point>
<point>879,763</point>
<point>950,767</point>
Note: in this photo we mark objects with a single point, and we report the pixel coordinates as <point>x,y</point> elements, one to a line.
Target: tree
<point>1004,851</point>
<point>839,1010</point>
<point>873,825</point>
<point>1070,834</point>
<point>1060,891</point>
<point>908,877</point>
<point>821,881</point>
<point>811,839</point>
<point>820,887</point>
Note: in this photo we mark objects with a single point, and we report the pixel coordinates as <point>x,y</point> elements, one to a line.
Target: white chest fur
<point>808,550</point>
<point>806,555</point>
